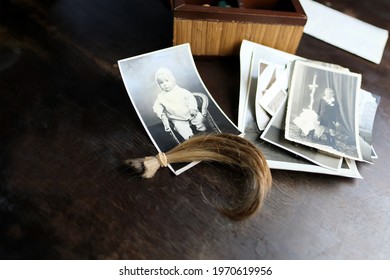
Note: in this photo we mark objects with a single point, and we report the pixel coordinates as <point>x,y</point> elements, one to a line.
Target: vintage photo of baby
<point>178,108</point>
<point>171,99</point>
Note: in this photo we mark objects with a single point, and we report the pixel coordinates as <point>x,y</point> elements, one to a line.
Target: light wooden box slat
<point>220,31</point>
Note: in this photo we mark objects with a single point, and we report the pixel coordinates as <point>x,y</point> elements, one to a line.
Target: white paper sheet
<point>345,32</point>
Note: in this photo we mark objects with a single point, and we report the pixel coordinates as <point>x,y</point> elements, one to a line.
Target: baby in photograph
<point>177,105</point>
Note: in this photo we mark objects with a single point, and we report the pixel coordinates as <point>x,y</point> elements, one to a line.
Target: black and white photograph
<point>274,133</point>
<point>171,100</point>
<point>270,93</point>
<point>322,109</point>
<point>277,157</point>
<point>368,105</point>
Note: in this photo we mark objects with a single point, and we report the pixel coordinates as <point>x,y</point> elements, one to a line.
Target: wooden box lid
<point>288,12</point>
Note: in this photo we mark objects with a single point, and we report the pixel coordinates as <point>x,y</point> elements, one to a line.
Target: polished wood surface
<point>67,124</point>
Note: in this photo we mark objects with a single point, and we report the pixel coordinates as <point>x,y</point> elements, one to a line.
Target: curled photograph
<point>171,99</point>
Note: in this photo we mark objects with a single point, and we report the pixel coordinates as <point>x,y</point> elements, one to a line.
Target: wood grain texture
<point>67,124</point>
<point>224,38</point>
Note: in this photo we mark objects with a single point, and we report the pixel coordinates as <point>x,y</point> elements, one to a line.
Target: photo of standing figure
<point>322,109</point>
<point>328,116</point>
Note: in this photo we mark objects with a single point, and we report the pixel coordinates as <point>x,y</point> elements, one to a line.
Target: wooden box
<point>215,30</point>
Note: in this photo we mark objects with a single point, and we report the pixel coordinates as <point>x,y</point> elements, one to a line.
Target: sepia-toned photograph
<point>322,109</point>
<point>170,98</point>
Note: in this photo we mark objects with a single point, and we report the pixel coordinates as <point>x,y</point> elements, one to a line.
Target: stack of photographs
<point>305,115</point>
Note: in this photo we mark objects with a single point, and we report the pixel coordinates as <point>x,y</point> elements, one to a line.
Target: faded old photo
<point>170,98</point>
<point>277,157</point>
<point>271,86</point>
<point>274,133</point>
<point>368,105</point>
<point>322,109</point>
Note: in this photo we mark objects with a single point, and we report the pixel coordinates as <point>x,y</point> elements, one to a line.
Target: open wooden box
<point>215,30</point>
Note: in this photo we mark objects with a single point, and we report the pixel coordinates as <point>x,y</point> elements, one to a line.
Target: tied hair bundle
<point>222,148</point>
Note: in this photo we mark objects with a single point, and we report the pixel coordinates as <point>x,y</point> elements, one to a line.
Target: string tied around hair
<point>162,159</point>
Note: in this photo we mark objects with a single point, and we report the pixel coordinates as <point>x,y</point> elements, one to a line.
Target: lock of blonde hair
<point>222,148</point>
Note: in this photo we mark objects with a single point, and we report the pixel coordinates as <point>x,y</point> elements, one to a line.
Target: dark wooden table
<point>67,124</point>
